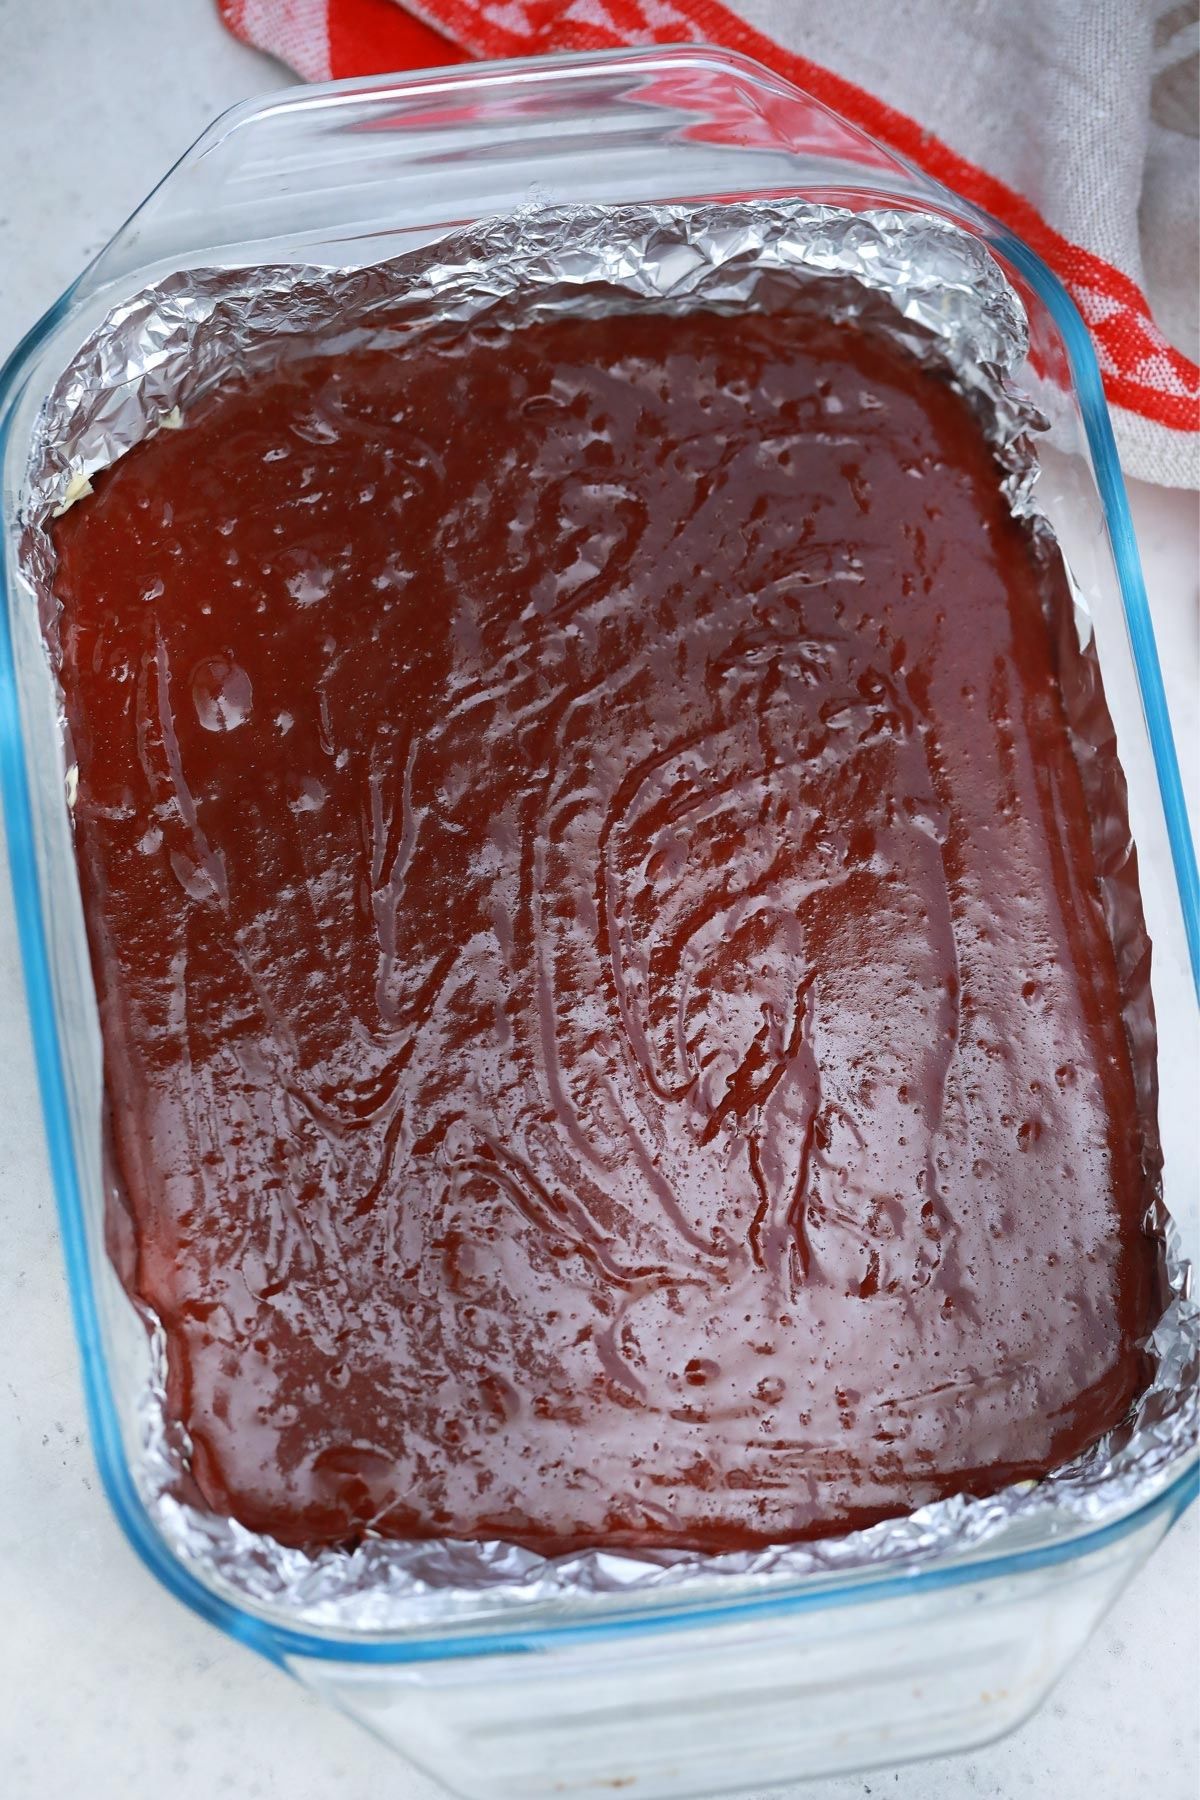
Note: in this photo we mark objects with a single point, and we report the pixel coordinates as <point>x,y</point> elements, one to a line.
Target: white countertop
<point>108,1687</point>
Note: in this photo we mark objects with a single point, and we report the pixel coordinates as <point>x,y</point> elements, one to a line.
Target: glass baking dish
<point>738,1687</point>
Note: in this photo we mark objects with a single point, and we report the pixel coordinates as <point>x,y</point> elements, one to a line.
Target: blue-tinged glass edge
<point>278,1642</point>
<point>1089,388</point>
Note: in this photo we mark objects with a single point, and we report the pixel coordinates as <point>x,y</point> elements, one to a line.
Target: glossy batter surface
<point>610,1028</point>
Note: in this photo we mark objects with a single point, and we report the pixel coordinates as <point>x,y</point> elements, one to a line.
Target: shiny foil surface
<point>936,293</point>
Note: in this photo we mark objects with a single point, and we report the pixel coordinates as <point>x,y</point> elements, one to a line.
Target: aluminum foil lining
<point>929,286</point>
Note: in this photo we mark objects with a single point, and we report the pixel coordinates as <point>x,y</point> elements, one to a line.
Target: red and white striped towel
<point>1073,121</point>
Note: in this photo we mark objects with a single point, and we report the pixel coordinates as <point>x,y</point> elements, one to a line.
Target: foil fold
<point>910,275</point>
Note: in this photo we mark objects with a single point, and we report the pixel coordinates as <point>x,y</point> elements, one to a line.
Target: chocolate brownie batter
<point>610,1028</point>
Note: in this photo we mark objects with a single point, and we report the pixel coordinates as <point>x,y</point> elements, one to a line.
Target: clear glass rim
<point>272,1639</point>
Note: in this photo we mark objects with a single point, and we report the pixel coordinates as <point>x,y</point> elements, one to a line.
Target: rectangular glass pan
<point>724,1690</point>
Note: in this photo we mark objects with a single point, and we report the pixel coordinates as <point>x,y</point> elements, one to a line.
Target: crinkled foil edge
<point>912,275</point>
